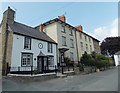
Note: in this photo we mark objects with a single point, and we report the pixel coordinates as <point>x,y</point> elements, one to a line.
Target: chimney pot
<point>62,18</point>
<point>79,27</point>
<point>41,28</point>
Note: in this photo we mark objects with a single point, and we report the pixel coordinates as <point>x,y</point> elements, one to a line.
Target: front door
<point>42,64</point>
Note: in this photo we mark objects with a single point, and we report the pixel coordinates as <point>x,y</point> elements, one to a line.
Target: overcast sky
<point>99,19</point>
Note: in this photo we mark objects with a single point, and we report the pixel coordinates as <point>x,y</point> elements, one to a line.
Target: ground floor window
<point>50,61</point>
<point>26,59</point>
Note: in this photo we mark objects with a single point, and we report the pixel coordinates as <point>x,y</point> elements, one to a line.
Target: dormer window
<point>27,43</point>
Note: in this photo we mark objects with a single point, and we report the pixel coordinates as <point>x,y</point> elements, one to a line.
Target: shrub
<point>87,60</point>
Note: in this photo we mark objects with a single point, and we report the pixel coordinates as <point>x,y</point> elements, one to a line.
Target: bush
<point>103,61</point>
<point>87,60</point>
<point>68,61</point>
<point>97,60</point>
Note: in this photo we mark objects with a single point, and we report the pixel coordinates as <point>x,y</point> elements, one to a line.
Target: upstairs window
<point>71,32</point>
<point>63,41</point>
<point>63,28</point>
<point>80,35</point>
<point>27,43</point>
<point>85,38</point>
<point>71,43</point>
<point>81,44</point>
<point>86,47</point>
<point>90,40</point>
<point>50,47</point>
<point>90,48</point>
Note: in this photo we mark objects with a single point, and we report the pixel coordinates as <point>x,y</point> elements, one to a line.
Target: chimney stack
<point>79,27</point>
<point>62,18</point>
<point>8,16</point>
<point>41,28</point>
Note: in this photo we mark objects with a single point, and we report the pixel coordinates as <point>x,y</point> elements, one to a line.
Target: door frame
<point>42,63</point>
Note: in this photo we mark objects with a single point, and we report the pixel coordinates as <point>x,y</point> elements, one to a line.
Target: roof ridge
<point>25,25</point>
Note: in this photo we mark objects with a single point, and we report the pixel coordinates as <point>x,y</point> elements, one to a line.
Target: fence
<point>32,70</point>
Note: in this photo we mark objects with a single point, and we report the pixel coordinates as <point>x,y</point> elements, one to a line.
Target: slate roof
<point>60,21</point>
<point>117,53</point>
<point>25,30</point>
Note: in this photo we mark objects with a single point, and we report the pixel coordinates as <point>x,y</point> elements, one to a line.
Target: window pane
<point>63,40</point>
<point>26,59</point>
<point>27,43</point>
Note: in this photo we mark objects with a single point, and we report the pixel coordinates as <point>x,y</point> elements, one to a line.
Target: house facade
<point>25,49</point>
<point>70,38</point>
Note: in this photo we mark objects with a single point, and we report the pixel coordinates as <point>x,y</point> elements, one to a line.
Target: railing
<point>32,69</point>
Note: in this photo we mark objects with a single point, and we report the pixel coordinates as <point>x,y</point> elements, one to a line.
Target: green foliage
<point>87,60</point>
<point>97,60</point>
<point>68,61</point>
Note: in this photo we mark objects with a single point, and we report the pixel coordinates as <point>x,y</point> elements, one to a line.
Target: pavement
<point>99,81</point>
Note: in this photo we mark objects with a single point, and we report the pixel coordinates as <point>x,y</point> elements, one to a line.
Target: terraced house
<point>71,40</point>
<point>24,49</point>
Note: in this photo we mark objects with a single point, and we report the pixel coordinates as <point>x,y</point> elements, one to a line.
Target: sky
<point>99,19</point>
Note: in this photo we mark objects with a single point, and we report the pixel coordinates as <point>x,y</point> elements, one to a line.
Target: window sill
<point>64,45</point>
<point>63,32</point>
<point>27,49</point>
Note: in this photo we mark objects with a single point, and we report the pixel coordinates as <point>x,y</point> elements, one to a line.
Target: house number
<point>40,45</point>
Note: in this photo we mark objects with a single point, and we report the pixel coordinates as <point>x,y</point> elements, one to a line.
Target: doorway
<point>42,64</point>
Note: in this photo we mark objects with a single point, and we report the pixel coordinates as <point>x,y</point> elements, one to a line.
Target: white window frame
<point>64,41</point>
<point>62,28</point>
<point>50,49</point>
<point>71,43</point>
<point>27,43</point>
<point>26,59</point>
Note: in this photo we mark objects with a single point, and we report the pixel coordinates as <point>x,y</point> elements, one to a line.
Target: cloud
<point>106,31</point>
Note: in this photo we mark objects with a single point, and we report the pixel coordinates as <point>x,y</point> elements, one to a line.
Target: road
<point>99,81</point>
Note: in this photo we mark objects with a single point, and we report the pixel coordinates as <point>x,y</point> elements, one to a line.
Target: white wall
<point>117,59</point>
<point>18,47</point>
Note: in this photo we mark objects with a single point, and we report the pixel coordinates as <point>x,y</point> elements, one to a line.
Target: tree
<point>110,45</point>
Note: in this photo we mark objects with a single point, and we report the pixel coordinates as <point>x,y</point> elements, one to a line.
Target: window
<point>81,44</point>
<point>85,38</point>
<point>71,43</point>
<point>63,41</point>
<point>62,28</point>
<point>50,47</point>
<point>86,47</point>
<point>80,35</point>
<point>90,48</point>
<point>90,40</point>
<point>50,60</point>
<point>71,32</point>
<point>27,43</point>
<point>26,59</point>
<point>71,56</point>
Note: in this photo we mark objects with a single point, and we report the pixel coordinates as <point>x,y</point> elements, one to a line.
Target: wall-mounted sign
<point>40,45</point>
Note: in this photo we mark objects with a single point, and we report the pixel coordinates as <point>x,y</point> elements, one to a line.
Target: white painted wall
<point>117,59</point>
<point>18,47</point>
